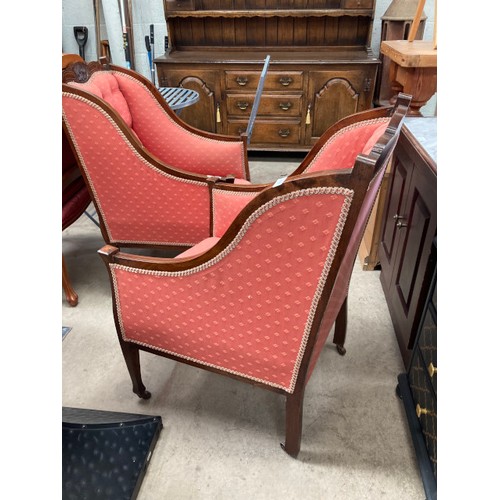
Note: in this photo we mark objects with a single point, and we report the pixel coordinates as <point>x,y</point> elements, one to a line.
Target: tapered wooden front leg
<point>131,355</point>
<point>294,405</point>
<point>341,328</point>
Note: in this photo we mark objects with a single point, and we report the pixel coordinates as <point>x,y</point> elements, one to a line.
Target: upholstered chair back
<point>159,129</point>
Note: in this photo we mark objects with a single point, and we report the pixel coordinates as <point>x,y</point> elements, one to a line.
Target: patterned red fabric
<point>139,203</point>
<point>249,310</point>
<point>340,151</point>
<point>104,84</point>
<point>199,248</point>
<point>376,135</point>
<point>172,143</point>
<point>226,206</point>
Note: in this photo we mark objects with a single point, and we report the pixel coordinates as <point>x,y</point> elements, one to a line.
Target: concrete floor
<point>221,437</point>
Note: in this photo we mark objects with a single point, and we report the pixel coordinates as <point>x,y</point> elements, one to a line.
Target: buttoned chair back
<point>158,129</point>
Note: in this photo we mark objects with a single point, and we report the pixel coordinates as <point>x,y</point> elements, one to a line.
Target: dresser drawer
<point>275,80</point>
<point>278,105</point>
<point>424,399</point>
<point>271,132</point>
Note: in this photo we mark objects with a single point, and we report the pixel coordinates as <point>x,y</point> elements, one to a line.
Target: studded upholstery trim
<point>127,312</point>
<point>139,157</point>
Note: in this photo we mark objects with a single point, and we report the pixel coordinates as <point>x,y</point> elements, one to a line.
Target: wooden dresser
<point>321,70</point>
<point>409,227</point>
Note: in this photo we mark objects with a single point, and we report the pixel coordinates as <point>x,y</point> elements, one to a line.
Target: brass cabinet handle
<point>242,80</point>
<point>421,411</point>
<point>285,106</point>
<point>284,132</point>
<point>242,105</point>
<point>285,81</point>
<point>432,369</point>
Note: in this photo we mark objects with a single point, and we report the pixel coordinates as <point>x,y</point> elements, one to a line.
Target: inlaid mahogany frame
<point>358,179</point>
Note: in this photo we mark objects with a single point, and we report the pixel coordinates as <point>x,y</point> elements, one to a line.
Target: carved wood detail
<point>80,72</point>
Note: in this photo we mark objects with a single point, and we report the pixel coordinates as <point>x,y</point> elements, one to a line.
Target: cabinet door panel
<point>408,268</point>
<point>413,249</point>
<point>333,95</point>
<point>405,250</point>
<point>390,231</point>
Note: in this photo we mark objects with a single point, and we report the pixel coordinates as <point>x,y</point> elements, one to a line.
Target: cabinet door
<point>203,114</point>
<point>407,242</point>
<point>402,168</point>
<point>332,95</point>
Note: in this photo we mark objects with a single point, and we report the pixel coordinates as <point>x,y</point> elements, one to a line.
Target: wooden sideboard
<point>321,69</point>
<point>409,226</point>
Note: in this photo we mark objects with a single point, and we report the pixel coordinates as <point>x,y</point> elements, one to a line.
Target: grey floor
<point>221,437</point>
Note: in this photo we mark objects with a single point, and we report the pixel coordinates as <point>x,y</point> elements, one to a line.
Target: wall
<point>146,12</point>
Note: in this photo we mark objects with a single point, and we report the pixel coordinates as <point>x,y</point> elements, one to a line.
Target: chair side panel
<point>138,203</point>
<point>249,310</point>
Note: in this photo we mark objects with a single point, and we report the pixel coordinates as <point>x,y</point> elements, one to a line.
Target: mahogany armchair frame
<point>359,178</point>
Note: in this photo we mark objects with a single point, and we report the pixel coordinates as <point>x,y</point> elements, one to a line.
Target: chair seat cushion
<point>199,248</point>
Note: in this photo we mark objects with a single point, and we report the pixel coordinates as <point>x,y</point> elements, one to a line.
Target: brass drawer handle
<point>285,106</point>
<point>284,132</point>
<point>421,411</point>
<point>432,369</point>
<point>285,81</point>
<point>242,105</point>
<point>242,80</point>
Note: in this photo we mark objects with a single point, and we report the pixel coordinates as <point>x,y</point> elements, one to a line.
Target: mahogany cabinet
<point>409,226</point>
<point>321,69</point>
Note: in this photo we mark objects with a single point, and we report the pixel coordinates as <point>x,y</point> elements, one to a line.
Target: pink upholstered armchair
<point>256,300</point>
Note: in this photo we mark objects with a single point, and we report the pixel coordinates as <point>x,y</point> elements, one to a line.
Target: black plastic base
<point>105,454</point>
